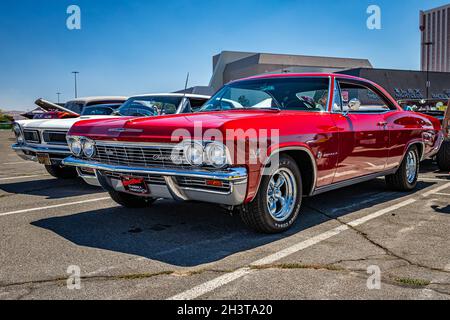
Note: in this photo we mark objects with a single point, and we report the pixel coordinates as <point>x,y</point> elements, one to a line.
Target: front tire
<point>130,201</point>
<point>443,156</point>
<point>62,172</point>
<point>405,179</point>
<point>276,206</point>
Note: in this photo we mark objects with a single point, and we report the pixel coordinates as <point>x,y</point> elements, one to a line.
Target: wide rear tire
<point>62,172</point>
<point>443,156</point>
<point>129,200</point>
<point>268,213</point>
<point>405,179</point>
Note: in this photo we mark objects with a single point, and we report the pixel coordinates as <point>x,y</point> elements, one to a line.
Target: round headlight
<point>20,139</point>
<point>216,154</point>
<point>89,148</point>
<point>75,146</point>
<point>194,154</point>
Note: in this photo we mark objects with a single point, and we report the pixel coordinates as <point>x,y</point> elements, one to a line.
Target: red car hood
<point>159,129</point>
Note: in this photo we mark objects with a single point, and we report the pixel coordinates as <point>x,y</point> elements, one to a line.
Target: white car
<point>44,140</point>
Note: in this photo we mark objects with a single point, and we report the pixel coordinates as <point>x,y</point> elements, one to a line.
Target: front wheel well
<point>420,149</point>
<point>306,167</point>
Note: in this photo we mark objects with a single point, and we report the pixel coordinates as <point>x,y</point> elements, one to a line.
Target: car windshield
<point>150,106</point>
<point>74,106</point>
<point>305,94</point>
<point>99,110</point>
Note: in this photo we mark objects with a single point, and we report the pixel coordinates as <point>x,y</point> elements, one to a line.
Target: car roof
<point>301,75</point>
<point>187,95</point>
<point>98,98</point>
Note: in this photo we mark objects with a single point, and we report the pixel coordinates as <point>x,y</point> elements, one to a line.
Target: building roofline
<point>445,6</point>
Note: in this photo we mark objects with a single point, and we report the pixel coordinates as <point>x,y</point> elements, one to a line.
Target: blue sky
<point>130,47</point>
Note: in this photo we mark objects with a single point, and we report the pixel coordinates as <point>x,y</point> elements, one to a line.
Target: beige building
<point>232,65</point>
<point>435,44</point>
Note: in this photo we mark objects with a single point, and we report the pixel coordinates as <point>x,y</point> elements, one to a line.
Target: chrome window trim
<point>368,86</point>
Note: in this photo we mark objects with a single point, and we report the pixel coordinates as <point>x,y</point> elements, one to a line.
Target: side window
<point>196,104</point>
<point>358,98</point>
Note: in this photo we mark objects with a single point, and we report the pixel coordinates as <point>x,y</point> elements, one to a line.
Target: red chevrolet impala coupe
<point>260,145</point>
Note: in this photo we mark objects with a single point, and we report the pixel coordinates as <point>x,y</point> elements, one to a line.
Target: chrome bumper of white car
<point>29,152</point>
<point>177,184</point>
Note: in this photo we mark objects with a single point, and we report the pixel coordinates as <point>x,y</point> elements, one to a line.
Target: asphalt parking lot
<point>197,251</point>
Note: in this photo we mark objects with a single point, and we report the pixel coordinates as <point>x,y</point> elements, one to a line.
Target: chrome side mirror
<point>354,104</point>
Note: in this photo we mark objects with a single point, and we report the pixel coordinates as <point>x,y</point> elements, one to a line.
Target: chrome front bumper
<point>236,178</point>
<point>28,152</point>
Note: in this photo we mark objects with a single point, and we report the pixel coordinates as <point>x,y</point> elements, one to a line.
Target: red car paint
<point>343,147</point>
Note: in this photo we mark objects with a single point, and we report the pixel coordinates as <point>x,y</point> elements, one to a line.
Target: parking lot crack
<point>131,276</point>
<point>378,245</point>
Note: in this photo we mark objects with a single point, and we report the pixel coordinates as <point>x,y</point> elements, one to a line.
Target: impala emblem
<point>120,130</point>
<point>110,152</point>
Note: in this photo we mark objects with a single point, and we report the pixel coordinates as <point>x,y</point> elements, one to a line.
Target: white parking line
<point>435,190</point>
<point>432,179</point>
<point>53,206</point>
<point>213,284</point>
<point>23,177</point>
<point>18,162</point>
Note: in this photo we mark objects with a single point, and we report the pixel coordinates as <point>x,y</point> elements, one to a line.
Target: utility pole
<point>76,89</point>
<point>58,94</point>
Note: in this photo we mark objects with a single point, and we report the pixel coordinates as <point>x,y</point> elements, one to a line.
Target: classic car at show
<point>329,131</point>
<point>45,141</point>
<point>437,108</point>
<point>81,106</point>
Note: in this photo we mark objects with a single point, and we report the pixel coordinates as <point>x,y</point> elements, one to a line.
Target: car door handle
<point>382,123</point>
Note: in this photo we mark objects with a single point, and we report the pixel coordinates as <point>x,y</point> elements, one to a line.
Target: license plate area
<point>135,185</point>
<point>44,158</point>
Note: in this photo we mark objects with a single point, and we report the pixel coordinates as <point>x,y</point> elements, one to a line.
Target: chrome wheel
<point>411,166</point>
<point>281,194</point>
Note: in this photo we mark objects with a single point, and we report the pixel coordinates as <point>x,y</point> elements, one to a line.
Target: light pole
<point>76,89</point>
<point>426,51</point>
<point>58,94</point>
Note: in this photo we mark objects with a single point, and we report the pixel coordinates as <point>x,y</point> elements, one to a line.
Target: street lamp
<point>426,45</point>
<point>76,89</point>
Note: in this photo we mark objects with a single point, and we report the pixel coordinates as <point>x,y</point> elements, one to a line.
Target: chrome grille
<point>31,136</point>
<point>135,156</point>
<point>55,137</point>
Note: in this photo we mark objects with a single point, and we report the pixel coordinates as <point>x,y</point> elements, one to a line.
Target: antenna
<point>186,84</point>
<point>184,94</point>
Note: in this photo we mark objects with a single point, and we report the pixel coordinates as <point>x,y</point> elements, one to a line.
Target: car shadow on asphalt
<point>51,188</point>
<point>429,166</point>
<point>190,234</point>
